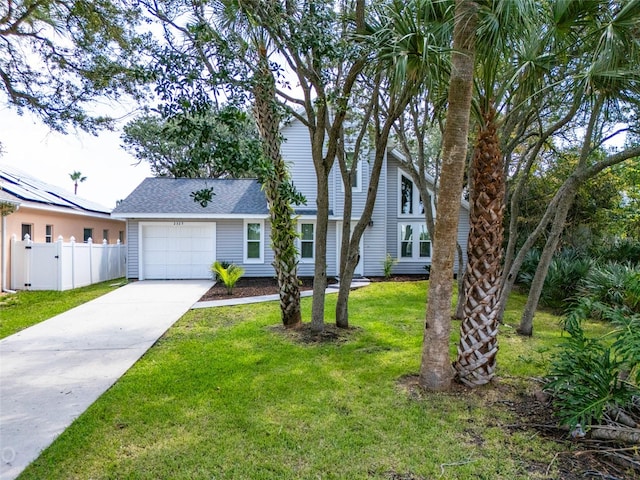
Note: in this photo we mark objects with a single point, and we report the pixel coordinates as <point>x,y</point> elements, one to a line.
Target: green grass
<point>26,308</point>
<point>225,395</point>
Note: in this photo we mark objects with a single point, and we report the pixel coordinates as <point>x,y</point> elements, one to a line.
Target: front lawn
<point>225,394</point>
<point>25,308</point>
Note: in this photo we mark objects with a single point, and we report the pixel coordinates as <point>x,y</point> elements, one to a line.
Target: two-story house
<point>172,237</point>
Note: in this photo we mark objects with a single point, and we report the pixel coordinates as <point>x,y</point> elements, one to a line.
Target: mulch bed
<point>258,286</point>
<point>252,287</point>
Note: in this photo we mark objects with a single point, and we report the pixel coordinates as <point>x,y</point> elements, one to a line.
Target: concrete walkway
<point>50,373</point>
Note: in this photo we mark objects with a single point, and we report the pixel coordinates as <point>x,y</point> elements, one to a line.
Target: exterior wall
<point>296,150</point>
<point>394,220</point>
<point>229,246</point>
<point>374,245</point>
<point>133,245</point>
<point>65,224</point>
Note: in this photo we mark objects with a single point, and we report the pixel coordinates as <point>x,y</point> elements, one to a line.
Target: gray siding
<point>132,249</point>
<point>230,248</point>
<point>296,150</point>
<point>393,221</point>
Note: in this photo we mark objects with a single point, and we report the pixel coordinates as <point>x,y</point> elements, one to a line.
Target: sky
<point>32,147</point>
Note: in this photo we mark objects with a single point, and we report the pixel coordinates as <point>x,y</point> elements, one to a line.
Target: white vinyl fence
<point>64,265</point>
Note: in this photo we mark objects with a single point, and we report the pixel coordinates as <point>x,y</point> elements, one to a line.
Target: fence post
<point>28,247</point>
<point>119,257</point>
<point>59,262</point>
<point>90,243</point>
<point>72,240</point>
<point>15,255</point>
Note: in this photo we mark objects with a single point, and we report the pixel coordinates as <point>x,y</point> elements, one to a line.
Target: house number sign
<point>177,224</point>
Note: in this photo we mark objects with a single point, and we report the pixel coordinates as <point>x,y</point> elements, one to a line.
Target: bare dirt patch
<point>303,334</point>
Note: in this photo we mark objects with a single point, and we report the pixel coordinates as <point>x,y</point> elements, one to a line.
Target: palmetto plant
<point>591,375</point>
<point>228,275</point>
<point>615,285</point>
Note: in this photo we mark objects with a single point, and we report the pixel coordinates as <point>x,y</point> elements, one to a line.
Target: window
<point>406,195</point>
<point>414,241</point>
<point>253,245</point>
<point>356,179</point>
<point>105,235</point>
<point>48,233</point>
<point>307,240</point>
<point>410,201</point>
<point>88,234</point>
<point>121,236</point>
<point>27,229</point>
<point>425,242</point>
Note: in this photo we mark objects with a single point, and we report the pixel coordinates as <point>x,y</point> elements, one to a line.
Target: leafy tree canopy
<point>209,143</point>
<point>58,55</point>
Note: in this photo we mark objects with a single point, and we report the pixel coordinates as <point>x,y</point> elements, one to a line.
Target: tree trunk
<point>526,322</point>
<point>320,272</point>
<point>436,371</point>
<point>283,231</point>
<point>478,344</point>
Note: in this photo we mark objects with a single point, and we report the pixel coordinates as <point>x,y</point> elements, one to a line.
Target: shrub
<point>228,275</point>
<point>566,272</point>
<point>614,285</point>
<point>387,266</point>
<point>590,376</point>
<point>621,250</point>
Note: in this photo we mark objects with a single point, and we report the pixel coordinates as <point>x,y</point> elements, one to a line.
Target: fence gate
<point>63,266</point>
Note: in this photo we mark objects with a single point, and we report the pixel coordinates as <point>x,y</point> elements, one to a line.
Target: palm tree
<point>254,40</point>
<point>607,75</point>
<point>76,177</point>
<point>502,24</point>
<point>435,369</point>
<point>234,51</point>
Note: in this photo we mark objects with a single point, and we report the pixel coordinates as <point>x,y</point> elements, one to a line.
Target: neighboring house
<point>46,212</point>
<point>172,237</point>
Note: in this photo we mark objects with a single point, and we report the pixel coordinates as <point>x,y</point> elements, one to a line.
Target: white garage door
<point>177,250</point>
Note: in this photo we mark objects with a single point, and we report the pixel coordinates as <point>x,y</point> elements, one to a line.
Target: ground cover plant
<point>228,393</point>
<point>26,308</point>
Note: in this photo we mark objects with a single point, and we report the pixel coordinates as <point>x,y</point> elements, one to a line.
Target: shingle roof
<point>172,196</point>
<point>25,187</point>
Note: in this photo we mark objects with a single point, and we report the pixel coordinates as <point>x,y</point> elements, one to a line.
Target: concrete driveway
<point>51,372</point>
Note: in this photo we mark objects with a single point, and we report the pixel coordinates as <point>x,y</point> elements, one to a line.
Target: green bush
<point>589,376</point>
<point>619,250</point>
<point>229,275</point>
<point>387,266</point>
<point>566,272</point>
<point>613,284</point>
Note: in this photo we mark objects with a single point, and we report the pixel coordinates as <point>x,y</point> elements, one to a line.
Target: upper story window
<point>409,199</point>
<point>307,233</point>
<point>105,235</point>
<point>48,233</point>
<point>87,234</point>
<point>356,178</point>
<point>121,236</point>
<point>253,241</point>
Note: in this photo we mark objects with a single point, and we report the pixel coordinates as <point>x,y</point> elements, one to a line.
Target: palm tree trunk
<point>478,344</point>
<point>283,228</point>
<point>435,368</point>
